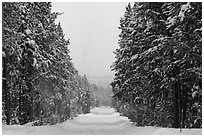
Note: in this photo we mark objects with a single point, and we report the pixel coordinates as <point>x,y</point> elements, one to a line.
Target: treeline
<point>40,83</point>
<point>158,67</point>
<point>102,95</point>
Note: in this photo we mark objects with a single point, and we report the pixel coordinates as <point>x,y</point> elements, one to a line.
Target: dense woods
<point>40,83</point>
<point>158,67</point>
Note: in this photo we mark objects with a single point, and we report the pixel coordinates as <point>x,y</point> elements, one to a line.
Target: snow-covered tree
<point>40,82</point>
<point>158,64</point>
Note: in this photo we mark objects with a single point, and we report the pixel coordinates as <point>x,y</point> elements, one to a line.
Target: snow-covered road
<point>101,121</point>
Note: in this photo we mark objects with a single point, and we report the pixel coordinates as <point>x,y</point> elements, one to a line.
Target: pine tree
<point>39,79</point>
<point>159,73</point>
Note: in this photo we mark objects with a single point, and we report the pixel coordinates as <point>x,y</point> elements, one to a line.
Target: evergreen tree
<point>40,82</point>
<point>160,75</point>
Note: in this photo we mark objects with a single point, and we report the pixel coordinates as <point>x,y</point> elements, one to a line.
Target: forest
<point>158,65</point>
<point>157,68</point>
<point>39,81</point>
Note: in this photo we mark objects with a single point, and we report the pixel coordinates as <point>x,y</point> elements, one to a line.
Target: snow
<point>171,21</point>
<point>134,57</point>
<point>101,121</point>
<point>184,8</point>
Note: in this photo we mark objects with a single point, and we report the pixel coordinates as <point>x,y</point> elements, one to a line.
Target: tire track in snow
<point>101,121</point>
<point>104,117</point>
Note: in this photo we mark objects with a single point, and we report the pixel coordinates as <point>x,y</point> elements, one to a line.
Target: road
<point>101,121</point>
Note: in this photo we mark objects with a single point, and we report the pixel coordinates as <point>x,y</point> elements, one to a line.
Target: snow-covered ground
<point>101,121</point>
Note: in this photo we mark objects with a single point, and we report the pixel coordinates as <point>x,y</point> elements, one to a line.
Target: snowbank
<point>101,121</point>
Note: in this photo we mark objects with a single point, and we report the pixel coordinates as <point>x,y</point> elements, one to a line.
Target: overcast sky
<point>93,32</point>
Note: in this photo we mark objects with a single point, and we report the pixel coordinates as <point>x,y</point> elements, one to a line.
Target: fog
<point>93,32</point>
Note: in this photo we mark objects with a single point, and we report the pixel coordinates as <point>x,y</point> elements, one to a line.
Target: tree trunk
<point>29,79</point>
<point>7,96</point>
<point>184,105</point>
<point>176,106</point>
<point>30,99</point>
<point>20,101</point>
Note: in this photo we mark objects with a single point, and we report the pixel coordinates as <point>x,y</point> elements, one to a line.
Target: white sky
<point>93,32</point>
